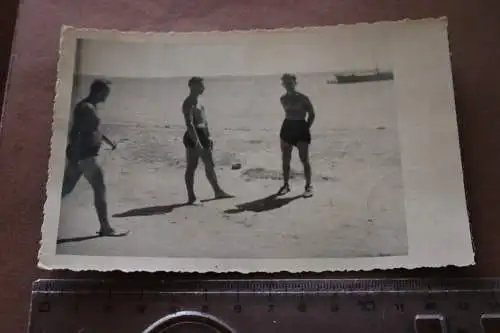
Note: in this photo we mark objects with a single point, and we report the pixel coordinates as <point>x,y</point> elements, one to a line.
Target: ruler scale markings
<point>385,307</point>
<point>358,285</point>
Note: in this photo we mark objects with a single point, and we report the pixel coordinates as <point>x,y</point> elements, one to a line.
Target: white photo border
<point>437,221</point>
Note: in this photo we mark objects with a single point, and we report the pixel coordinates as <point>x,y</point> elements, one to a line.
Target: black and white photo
<point>306,149</point>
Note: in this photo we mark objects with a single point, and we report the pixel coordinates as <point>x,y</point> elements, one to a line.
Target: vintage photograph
<point>266,150</point>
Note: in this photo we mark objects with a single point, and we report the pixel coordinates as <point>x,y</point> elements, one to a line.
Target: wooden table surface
<point>24,138</point>
<point>7,21</point>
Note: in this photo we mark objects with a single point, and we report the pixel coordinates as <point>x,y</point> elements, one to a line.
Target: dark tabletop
<point>7,21</point>
<point>24,138</point>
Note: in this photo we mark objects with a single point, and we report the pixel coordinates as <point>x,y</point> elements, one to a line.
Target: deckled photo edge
<point>150,36</point>
<point>47,257</point>
<point>79,263</point>
<point>63,87</point>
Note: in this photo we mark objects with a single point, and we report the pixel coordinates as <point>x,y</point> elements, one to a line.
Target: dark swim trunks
<point>81,143</point>
<point>295,131</point>
<point>189,143</point>
<point>76,153</point>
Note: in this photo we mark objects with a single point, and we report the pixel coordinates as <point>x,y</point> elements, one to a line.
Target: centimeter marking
<point>388,305</point>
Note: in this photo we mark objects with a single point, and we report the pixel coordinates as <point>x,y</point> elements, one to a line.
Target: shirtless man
<point>83,147</point>
<point>198,142</point>
<point>295,131</point>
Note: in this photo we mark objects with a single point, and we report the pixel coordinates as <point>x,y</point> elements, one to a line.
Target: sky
<point>334,49</point>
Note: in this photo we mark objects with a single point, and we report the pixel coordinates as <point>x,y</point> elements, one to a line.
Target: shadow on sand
<point>151,210</point>
<point>270,202</point>
<point>84,238</point>
<point>215,198</point>
<point>76,239</point>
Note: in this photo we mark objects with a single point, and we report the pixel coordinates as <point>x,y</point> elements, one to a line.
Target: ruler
<point>266,305</point>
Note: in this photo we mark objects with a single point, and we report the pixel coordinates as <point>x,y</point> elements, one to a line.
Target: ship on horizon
<point>362,76</point>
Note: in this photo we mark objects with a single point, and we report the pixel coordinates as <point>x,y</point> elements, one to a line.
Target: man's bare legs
<point>191,165</point>
<point>303,148</point>
<point>208,161</point>
<point>95,176</point>
<point>72,174</point>
<point>286,158</point>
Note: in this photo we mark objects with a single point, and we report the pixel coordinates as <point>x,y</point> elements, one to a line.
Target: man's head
<point>99,90</point>
<point>196,85</point>
<point>289,81</point>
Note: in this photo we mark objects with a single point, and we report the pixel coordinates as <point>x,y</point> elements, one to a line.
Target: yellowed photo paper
<point>307,149</point>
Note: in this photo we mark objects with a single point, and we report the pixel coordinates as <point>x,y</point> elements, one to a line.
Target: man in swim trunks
<point>84,143</point>
<point>198,142</point>
<point>295,131</point>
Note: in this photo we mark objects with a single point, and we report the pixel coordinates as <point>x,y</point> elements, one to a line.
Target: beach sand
<point>357,209</point>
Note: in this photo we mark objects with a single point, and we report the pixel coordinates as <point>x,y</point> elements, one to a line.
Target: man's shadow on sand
<point>267,203</point>
<point>270,202</point>
<point>151,210</point>
<point>76,239</point>
<point>84,238</point>
<point>160,210</point>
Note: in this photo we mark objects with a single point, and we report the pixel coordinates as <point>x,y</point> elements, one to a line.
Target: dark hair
<point>99,85</point>
<point>288,76</point>
<point>194,80</point>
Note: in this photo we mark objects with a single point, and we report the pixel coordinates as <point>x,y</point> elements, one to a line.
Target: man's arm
<point>187,110</point>
<point>207,131</point>
<point>210,140</point>
<point>90,123</point>
<point>311,115</point>
<point>282,101</point>
<point>88,120</point>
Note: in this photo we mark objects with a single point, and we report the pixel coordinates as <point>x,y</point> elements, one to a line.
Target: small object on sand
<point>236,166</point>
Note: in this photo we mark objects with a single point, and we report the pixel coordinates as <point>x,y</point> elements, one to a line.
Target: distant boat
<point>358,77</point>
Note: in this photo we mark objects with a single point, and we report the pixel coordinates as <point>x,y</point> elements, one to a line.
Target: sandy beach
<point>357,209</point>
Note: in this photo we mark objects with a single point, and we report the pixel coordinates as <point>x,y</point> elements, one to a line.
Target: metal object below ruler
<point>264,306</point>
